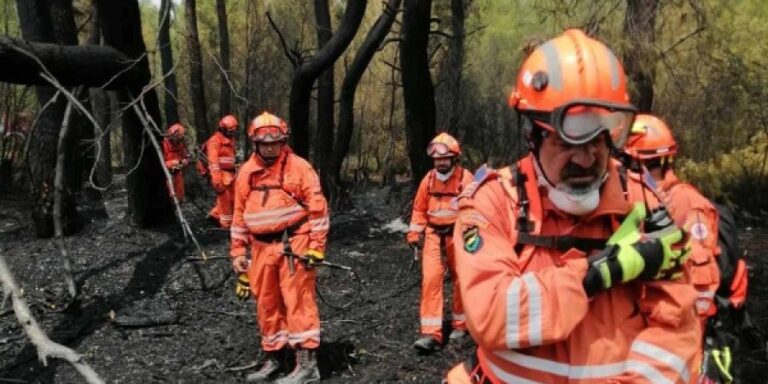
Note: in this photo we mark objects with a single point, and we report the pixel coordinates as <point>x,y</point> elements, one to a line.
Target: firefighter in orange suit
<point>176,158</point>
<point>564,280</point>
<point>220,150</point>
<point>652,147</point>
<point>278,204</point>
<point>434,213</point>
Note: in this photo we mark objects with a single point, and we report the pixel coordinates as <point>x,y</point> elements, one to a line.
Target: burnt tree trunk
<point>640,55</point>
<point>359,64</point>
<point>325,93</point>
<point>166,63</point>
<point>251,70</point>
<point>456,64</point>
<point>148,201</point>
<point>308,72</point>
<point>36,18</point>
<point>224,92</point>
<point>418,90</point>
<point>196,85</point>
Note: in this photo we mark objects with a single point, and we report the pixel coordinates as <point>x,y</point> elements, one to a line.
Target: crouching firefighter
<point>280,208</point>
<point>434,213</point>
<point>563,278</point>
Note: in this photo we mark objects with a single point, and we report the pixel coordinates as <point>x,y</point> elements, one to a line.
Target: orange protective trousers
<point>431,310</point>
<point>178,185</point>
<point>286,307</point>
<point>224,206</point>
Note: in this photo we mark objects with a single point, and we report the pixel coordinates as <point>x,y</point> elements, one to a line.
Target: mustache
<point>574,170</point>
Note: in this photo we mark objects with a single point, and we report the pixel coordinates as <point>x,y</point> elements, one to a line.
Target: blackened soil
<point>198,332</point>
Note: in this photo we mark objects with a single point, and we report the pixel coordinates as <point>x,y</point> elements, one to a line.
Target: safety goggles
<point>579,122</point>
<point>268,133</point>
<point>439,150</point>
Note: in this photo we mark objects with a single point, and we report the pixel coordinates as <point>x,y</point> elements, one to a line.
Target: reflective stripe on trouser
<point>431,309</point>
<point>178,185</point>
<point>284,301</point>
<point>648,363</point>
<point>225,205</point>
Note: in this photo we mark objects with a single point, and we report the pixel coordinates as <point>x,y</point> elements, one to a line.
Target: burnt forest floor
<point>195,331</point>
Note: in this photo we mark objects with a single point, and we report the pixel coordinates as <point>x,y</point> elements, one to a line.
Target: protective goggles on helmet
<point>268,134</point>
<point>579,122</point>
<point>439,150</point>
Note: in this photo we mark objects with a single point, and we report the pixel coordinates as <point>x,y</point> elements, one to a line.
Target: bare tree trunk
<point>389,174</point>
<point>308,72</point>
<point>196,85</point>
<point>148,200</point>
<point>418,90</point>
<point>325,94</point>
<point>224,92</point>
<point>352,78</point>
<point>36,22</point>
<point>61,157</point>
<point>456,64</point>
<point>251,68</point>
<point>640,55</point>
<point>166,63</point>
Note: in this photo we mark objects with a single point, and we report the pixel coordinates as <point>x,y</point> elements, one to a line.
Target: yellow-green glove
<point>631,254</point>
<point>242,287</point>
<point>313,256</point>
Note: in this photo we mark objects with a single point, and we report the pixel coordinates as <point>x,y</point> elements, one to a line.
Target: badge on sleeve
<point>699,231</point>
<point>472,239</point>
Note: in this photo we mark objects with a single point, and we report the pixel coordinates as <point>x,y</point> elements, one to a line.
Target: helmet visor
<point>268,134</point>
<point>439,150</point>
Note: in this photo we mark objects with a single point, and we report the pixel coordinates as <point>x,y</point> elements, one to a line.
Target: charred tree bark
<point>308,72</point>
<point>251,70</point>
<point>362,58</point>
<point>456,64</point>
<point>37,24</point>
<point>640,57</point>
<point>325,95</point>
<point>166,63</point>
<point>196,84</point>
<point>225,106</point>
<point>148,201</point>
<point>418,90</point>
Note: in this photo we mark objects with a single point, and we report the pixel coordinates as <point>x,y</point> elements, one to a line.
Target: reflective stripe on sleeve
<point>320,224</point>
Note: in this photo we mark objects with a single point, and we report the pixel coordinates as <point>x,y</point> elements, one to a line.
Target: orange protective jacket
<point>435,203</point>
<point>221,160</point>
<point>270,199</point>
<point>526,307</point>
<point>690,210</point>
<point>174,155</point>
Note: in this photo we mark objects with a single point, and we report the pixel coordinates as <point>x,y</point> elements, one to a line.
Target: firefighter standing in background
<point>434,214</point>
<point>279,204</point>
<point>220,150</point>
<point>176,158</point>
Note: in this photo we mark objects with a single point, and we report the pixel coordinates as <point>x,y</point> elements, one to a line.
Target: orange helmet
<point>575,86</point>
<point>176,129</point>
<point>650,139</point>
<point>228,122</point>
<point>443,145</point>
<point>268,128</point>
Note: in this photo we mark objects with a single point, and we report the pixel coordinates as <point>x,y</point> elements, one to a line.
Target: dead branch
<point>295,61</point>
<point>441,33</point>
<point>58,190</point>
<point>682,40</point>
<point>45,347</point>
<point>187,230</point>
<point>229,81</point>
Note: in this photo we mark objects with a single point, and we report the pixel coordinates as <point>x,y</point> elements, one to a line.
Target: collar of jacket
<point>223,138</point>
<point>612,200</point>
<point>670,180</point>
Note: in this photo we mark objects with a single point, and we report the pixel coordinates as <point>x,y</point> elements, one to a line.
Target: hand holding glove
<point>242,287</point>
<point>631,254</point>
<point>314,256</point>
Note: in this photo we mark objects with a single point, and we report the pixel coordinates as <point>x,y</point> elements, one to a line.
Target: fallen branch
<point>45,347</point>
<point>186,229</point>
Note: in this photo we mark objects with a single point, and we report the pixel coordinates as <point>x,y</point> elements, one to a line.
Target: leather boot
<point>268,369</point>
<point>306,369</point>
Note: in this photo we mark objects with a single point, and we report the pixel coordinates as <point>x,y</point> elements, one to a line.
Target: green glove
<point>631,254</point>
<point>242,287</point>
